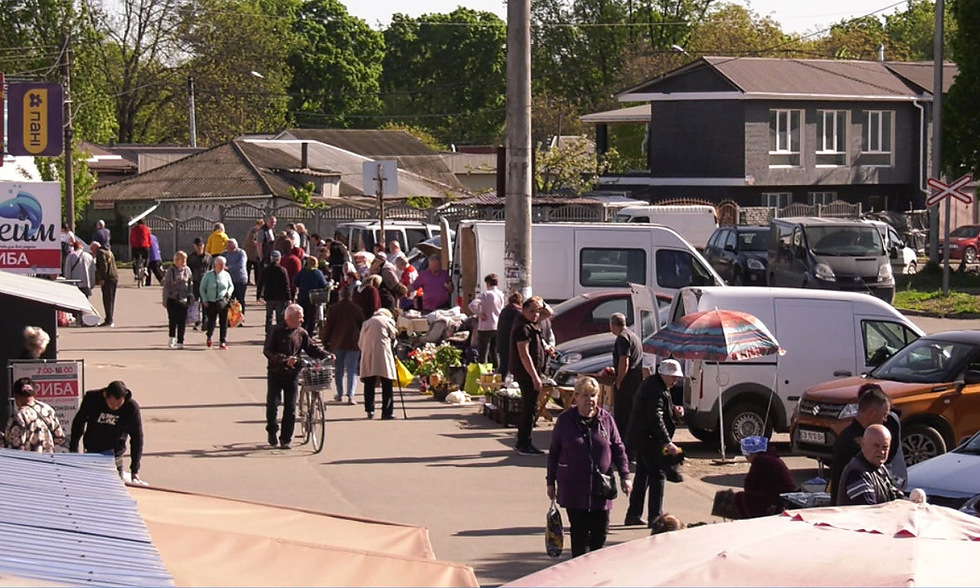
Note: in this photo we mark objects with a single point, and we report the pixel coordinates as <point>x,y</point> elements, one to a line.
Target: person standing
<point>377,364</point>
<point>80,268</point>
<point>273,290</point>
<point>155,264</point>
<point>651,430</point>
<point>178,288</point>
<point>139,244</point>
<point>303,238</point>
<point>216,292</point>
<point>107,417</point>
<point>250,246</point>
<point>505,324</point>
<point>435,284</point>
<point>199,261</point>
<point>628,364</point>
<point>527,363</point>
<point>310,278</point>
<point>106,276</point>
<point>101,234</point>
<point>584,443</point>
<point>216,240</point>
<point>292,261</point>
<point>236,263</point>
<point>340,331</point>
<point>339,255</point>
<point>407,275</point>
<point>35,426</point>
<point>264,239</point>
<point>872,409</point>
<point>487,307</point>
<point>367,295</point>
<point>282,347</point>
<point>865,479</point>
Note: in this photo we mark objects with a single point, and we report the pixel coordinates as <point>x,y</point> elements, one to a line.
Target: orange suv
<point>934,384</point>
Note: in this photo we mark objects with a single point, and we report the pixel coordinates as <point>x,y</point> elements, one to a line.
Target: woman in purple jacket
<point>585,441</point>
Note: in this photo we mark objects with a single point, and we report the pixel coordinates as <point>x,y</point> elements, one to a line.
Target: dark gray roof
<point>68,519</point>
<point>919,74</point>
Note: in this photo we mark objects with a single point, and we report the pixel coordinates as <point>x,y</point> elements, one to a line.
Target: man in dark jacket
<point>107,417</point>
<point>274,289</point>
<point>865,479</point>
<point>340,331</point>
<point>872,409</point>
<point>107,276</point>
<point>527,361</point>
<point>282,347</point>
<point>651,429</point>
<point>628,364</point>
<point>101,234</point>
<point>200,262</point>
<point>505,324</point>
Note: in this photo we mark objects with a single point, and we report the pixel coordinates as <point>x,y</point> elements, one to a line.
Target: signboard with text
<point>34,117</point>
<point>30,217</point>
<point>59,384</point>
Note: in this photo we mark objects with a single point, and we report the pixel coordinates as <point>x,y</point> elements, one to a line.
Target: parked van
<point>827,253</point>
<point>362,235</point>
<point>825,335</point>
<point>568,259</point>
<point>695,223</point>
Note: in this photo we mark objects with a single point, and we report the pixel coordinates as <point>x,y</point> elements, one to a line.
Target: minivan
<point>694,222</point>
<point>362,235</point>
<point>831,254</point>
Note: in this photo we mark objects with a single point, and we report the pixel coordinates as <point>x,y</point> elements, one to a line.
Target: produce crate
<point>508,410</point>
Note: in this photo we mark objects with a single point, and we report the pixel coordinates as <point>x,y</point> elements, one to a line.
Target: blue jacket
<point>235,263</point>
<point>307,280</point>
<point>574,449</point>
<point>154,248</point>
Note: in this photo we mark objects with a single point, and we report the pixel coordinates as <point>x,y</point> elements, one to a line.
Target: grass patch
<point>923,292</point>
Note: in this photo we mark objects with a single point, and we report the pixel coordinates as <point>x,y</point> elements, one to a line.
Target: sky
<point>795,16</point>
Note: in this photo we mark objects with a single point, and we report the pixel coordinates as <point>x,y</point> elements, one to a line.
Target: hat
<point>670,367</point>
<point>381,255</point>
<point>752,445</point>
<point>276,254</point>
<point>198,241</point>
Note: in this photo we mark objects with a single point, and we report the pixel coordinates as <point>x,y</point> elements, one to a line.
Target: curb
<point>930,314</point>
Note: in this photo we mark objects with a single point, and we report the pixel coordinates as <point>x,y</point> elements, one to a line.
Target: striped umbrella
<point>714,335</point>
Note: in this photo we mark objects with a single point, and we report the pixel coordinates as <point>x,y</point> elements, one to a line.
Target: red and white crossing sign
<point>949,190</point>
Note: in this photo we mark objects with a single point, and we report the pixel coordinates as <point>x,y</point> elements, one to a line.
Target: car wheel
<point>912,268</point>
<point>970,255</point>
<point>745,419</point>
<point>704,435</point>
<point>921,442</point>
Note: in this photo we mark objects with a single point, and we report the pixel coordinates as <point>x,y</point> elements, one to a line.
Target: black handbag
<point>606,486</point>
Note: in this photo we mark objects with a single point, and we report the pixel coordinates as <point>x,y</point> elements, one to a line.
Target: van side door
<point>818,336</point>
<point>879,339</point>
<point>646,314</point>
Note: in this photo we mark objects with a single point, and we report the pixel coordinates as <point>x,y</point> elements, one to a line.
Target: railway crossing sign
<point>952,189</point>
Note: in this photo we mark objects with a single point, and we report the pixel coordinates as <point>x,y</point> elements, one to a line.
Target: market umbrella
<point>898,543</point>
<point>714,335</point>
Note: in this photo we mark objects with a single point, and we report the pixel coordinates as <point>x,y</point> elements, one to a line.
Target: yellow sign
<point>36,120</point>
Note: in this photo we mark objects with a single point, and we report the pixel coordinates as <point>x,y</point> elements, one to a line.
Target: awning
<point>61,295</point>
<point>632,114</point>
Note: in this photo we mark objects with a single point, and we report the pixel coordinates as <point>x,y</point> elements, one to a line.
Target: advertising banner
<point>34,114</point>
<point>59,384</point>
<point>30,217</point>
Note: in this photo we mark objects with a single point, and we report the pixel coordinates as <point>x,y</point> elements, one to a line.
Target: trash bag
<point>235,315</point>
<point>554,532</point>
<point>404,375</point>
<point>473,372</point>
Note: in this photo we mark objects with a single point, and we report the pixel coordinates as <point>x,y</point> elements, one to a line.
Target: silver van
<point>362,235</point>
<point>827,253</point>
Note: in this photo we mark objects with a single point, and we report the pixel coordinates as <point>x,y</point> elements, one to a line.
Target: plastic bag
<point>194,313</point>
<point>404,376</point>
<point>473,373</point>
<point>554,532</point>
<point>235,315</point>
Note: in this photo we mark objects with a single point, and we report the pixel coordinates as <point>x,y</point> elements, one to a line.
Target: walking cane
<point>401,393</point>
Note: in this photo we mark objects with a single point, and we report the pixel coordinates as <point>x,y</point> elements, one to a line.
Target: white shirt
<point>487,308</point>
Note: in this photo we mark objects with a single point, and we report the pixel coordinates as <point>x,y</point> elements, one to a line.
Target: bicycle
<point>315,376</point>
<point>141,271</point>
<point>319,299</point>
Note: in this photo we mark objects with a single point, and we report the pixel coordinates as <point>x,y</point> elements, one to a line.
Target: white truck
<point>694,222</point>
<point>568,259</point>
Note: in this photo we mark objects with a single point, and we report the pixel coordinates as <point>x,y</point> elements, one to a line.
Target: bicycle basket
<point>319,376</point>
<point>319,295</point>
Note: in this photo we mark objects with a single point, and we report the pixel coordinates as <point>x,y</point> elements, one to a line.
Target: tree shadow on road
<point>233,450</point>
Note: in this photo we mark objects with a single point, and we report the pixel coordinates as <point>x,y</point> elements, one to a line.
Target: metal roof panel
<point>58,294</point>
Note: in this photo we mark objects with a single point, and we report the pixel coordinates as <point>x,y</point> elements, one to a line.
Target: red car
<point>963,243</point>
<point>588,314</point>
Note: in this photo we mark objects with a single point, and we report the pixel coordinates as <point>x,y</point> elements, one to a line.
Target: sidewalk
<point>445,467</point>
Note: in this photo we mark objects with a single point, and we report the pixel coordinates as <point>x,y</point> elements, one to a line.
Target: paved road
<point>445,467</point>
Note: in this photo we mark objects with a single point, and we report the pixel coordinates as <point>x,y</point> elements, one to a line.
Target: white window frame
<point>873,137</point>
<point>832,153</point>
<point>782,199</point>
<point>820,198</point>
<point>784,136</point>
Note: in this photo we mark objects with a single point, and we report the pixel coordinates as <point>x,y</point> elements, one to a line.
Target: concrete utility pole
<point>69,132</point>
<point>517,230</point>
<point>192,111</point>
<point>937,147</point>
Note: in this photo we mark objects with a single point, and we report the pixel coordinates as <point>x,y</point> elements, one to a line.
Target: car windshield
<point>844,241</point>
<point>925,361</point>
<point>966,232</point>
<point>752,240</point>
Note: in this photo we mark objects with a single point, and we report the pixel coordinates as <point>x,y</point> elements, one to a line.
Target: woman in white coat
<point>378,362</point>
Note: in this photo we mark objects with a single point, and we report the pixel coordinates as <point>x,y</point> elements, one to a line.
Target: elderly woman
<point>378,362</point>
<point>367,295</point>
<point>216,291</point>
<point>584,443</point>
<point>768,477</point>
<point>309,278</point>
<point>178,294</point>
<point>36,342</point>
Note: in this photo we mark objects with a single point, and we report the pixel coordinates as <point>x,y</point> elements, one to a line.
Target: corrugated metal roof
<point>367,142</point>
<point>61,295</point>
<point>68,518</point>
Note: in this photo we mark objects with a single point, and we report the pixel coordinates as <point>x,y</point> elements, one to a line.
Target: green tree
<point>961,119</point>
<point>53,169</point>
<point>336,65</point>
<point>911,32</point>
<point>730,29</point>
<point>447,73</point>
<point>570,166</point>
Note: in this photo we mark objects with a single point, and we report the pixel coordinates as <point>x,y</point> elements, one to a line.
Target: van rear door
<point>799,323</point>
<point>646,315</point>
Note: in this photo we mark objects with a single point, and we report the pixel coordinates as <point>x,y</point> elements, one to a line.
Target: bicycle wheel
<point>304,413</point>
<point>318,421</point>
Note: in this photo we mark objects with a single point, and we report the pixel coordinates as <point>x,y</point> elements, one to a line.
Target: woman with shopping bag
<point>216,291</point>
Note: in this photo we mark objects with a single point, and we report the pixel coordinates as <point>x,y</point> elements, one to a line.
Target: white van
<point>825,334</point>
<point>695,223</point>
<point>568,259</point>
<point>362,235</point>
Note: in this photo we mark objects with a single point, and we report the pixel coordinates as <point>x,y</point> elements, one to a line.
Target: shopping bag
<point>554,533</point>
<point>404,376</point>
<point>473,372</point>
<point>194,313</point>
<point>235,316</point>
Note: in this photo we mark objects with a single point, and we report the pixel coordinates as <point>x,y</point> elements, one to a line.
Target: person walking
<point>505,324</point>
<point>155,264</point>
<point>107,277</point>
<point>367,296</point>
<point>101,234</point>
<point>80,267</point>
<point>309,278</point>
<point>340,332</point>
<point>250,246</point>
<point>585,443</point>
<point>200,262</point>
<point>178,295</point>
<point>265,237</point>
<point>35,426</point>
<point>487,307</point>
<point>273,290</point>
<point>216,240</point>
<point>236,263</point>
<point>377,362</point>
<point>435,284</point>
<point>282,347</point>
<point>628,365</point>
<point>292,261</point>
<point>104,421</point>
<point>216,292</point>
<point>527,363</point>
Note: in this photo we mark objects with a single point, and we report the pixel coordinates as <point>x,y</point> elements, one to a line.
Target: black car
<point>739,254</point>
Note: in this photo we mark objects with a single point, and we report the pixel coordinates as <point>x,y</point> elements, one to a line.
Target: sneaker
<point>107,324</point>
<point>285,445</point>
<point>209,343</point>
<point>350,400</point>
<point>222,346</point>
<point>387,417</point>
<point>529,450</point>
<point>180,345</point>
<point>337,397</point>
<point>172,343</point>
<point>370,415</point>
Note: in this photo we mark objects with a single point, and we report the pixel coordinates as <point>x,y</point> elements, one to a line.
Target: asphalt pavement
<point>445,467</point>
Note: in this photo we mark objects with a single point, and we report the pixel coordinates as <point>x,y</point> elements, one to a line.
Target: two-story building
<point>770,132</point>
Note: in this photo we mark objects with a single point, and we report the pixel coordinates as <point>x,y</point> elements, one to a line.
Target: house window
<point>777,199</point>
<point>784,137</point>
<point>878,138</point>
<point>815,198</point>
<point>831,137</point>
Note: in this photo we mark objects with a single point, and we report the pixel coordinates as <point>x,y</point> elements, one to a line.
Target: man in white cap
<point>650,432</point>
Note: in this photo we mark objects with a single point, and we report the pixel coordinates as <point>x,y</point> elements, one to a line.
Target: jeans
<point>176,319</point>
<point>485,341</point>
<point>639,492</point>
<point>239,293</point>
<point>277,307</point>
<point>387,396</point>
<point>348,362</point>
<point>281,389</point>
<point>588,529</point>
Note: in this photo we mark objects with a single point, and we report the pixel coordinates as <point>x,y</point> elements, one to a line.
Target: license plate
<point>816,437</point>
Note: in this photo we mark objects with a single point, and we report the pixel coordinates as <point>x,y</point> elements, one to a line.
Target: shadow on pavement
<point>196,406</point>
<point>232,450</point>
<point>505,567</point>
<point>724,480</point>
<point>506,531</point>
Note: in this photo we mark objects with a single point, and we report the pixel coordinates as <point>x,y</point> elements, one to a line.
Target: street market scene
<point>263,335</point>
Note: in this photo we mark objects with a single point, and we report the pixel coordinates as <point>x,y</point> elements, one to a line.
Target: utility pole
<point>191,112</point>
<point>937,147</point>
<point>517,206</point>
<point>381,205</point>
<point>69,132</point>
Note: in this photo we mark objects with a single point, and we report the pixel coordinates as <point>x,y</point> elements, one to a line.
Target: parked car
<point>739,254</point>
<point>951,479</point>
<point>904,259</point>
<point>964,242</point>
<point>934,383</point>
<point>588,314</point>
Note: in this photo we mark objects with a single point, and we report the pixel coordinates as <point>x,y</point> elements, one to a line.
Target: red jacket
<point>293,262</point>
<point>140,236</point>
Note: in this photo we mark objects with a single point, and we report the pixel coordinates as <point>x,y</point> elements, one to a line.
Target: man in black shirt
<point>628,363</point>
<point>872,409</point>
<point>527,361</point>
<point>107,417</point>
